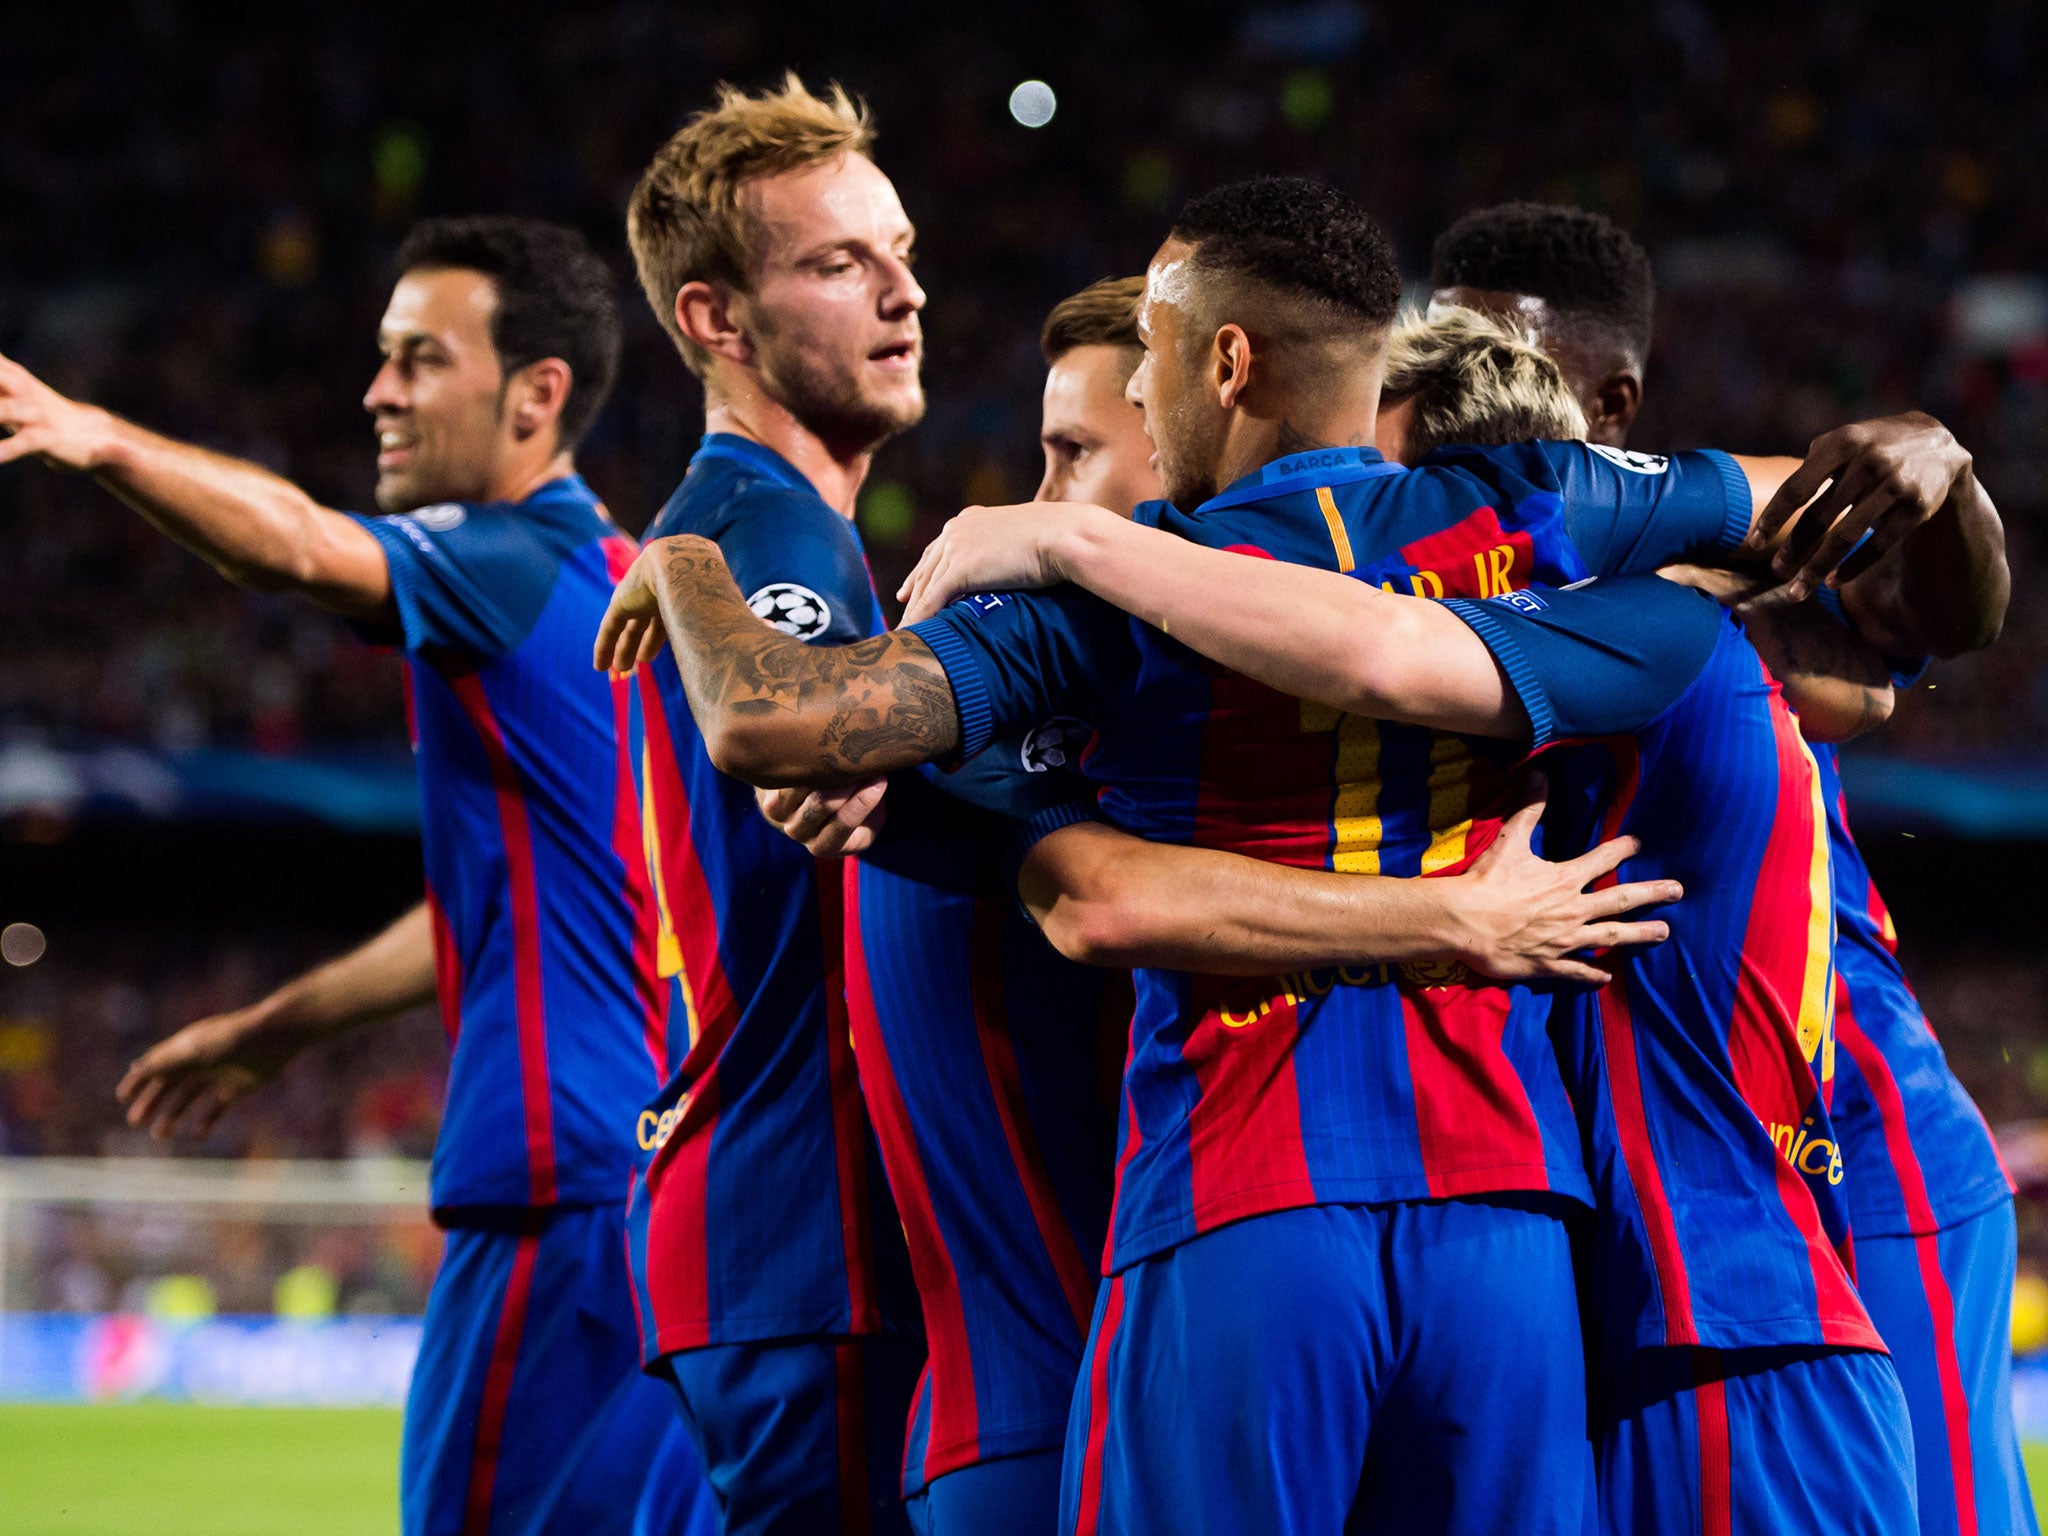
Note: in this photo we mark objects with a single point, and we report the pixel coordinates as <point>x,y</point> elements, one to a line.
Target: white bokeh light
<point>1033,103</point>
<point>22,944</point>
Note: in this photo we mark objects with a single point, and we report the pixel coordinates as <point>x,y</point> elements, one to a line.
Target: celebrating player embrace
<point>1324,1182</point>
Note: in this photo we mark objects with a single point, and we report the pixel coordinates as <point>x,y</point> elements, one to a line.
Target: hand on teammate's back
<point>67,433</point>
<point>1884,477</point>
<point>994,549</point>
<point>1530,919</point>
<point>203,1071</point>
<point>829,822</point>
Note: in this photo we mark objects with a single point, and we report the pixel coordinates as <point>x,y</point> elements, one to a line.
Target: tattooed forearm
<point>776,711</point>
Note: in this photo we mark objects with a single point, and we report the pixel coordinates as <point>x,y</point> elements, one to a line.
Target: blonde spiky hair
<point>686,222</point>
<point>1475,379</point>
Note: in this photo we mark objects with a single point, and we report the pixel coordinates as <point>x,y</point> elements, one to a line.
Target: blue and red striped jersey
<point>989,1064</point>
<point>543,920</point>
<point>1358,1083</point>
<point>1919,1156</point>
<point>1701,1073</point>
<point>754,1212</point>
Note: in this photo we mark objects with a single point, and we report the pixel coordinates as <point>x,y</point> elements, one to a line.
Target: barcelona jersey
<point>542,916</point>
<point>1359,1083</point>
<point>989,1064</point>
<point>1919,1155</point>
<point>1702,1072</point>
<point>751,1217</point>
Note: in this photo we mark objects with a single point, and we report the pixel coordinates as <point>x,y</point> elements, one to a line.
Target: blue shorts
<point>1003,1496</point>
<point>1406,1368</point>
<point>528,1414</point>
<point>1757,1442</point>
<point>801,1437</point>
<point>1944,1305</point>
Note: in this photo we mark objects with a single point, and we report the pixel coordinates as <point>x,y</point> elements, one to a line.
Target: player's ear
<point>1615,403</point>
<point>1230,364</point>
<point>704,313</point>
<point>538,392</point>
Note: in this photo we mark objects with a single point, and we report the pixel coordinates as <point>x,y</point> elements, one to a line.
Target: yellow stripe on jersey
<point>1355,816</point>
<point>1817,988</point>
<point>1450,798</point>
<point>1339,539</point>
<point>668,953</point>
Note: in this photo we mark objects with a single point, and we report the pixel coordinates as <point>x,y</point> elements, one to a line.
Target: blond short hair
<point>1103,314</point>
<point>1475,379</point>
<point>686,222</point>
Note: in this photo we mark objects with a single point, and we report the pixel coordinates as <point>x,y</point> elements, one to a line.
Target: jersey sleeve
<point>1633,512</point>
<point>1015,659</point>
<point>1601,659</point>
<point>471,579</point>
<point>800,567</point>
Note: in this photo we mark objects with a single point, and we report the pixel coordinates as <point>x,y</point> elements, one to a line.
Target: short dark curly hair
<point>1299,237</point>
<point>1582,264</point>
<point>556,298</point>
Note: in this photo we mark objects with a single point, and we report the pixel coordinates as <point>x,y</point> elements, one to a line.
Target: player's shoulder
<point>718,499</point>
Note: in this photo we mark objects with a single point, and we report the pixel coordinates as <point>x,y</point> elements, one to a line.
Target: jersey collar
<point>762,460</point>
<point>1302,472</point>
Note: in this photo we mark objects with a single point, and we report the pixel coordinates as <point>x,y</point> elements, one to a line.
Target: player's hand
<point>829,822</point>
<point>993,549</point>
<point>65,432</point>
<point>1527,918</point>
<point>203,1071</point>
<point>631,630</point>
<point>1882,477</point>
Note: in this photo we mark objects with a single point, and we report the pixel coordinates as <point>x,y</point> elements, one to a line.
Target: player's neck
<point>836,474</point>
<point>1252,442</point>
<point>523,475</point>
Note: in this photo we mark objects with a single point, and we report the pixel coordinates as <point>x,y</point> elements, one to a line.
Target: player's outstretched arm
<point>206,1068</point>
<point>773,710</point>
<point>1107,898</point>
<point>1314,634</point>
<point>255,528</point>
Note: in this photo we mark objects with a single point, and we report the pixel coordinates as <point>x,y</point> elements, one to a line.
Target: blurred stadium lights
<point>1032,103</point>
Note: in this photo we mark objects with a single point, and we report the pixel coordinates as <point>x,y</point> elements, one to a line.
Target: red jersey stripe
<point>955,1414</point>
<point>1463,1081</point>
<point>1891,1110</point>
<point>1098,1410</point>
<point>1710,1415</point>
<point>687,893</point>
<point>1625,1078</point>
<point>1474,557</point>
<point>1007,1088</point>
<point>1245,1150</point>
<point>528,1005</point>
<point>835,882</point>
<point>497,1394</point>
<point>636,886</point>
<point>447,969</point>
<point>1782,1025</point>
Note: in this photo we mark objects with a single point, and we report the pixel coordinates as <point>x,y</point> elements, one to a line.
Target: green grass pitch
<point>155,1469</point>
<point>169,1470</point>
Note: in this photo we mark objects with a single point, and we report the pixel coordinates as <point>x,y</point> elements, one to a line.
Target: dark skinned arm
<point>773,710</point>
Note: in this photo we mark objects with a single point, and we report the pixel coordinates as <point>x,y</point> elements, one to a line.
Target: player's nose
<point>902,294</point>
<point>386,392</point>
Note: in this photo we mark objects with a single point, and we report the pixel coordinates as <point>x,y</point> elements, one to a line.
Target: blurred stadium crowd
<point>1839,199</point>
<point>1843,204</point>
